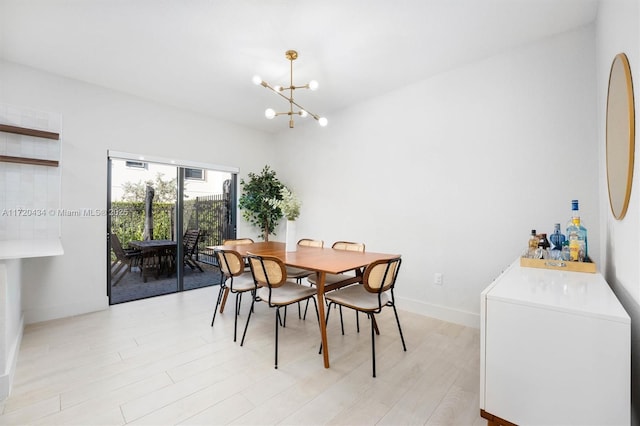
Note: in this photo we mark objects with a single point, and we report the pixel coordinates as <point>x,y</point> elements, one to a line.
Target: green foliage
<point>289,204</point>
<point>254,201</point>
<point>165,190</point>
<point>127,221</point>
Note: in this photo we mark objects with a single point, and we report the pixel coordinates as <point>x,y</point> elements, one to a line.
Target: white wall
<point>455,171</point>
<point>96,120</point>
<point>618,31</point>
<point>11,321</point>
<point>30,188</point>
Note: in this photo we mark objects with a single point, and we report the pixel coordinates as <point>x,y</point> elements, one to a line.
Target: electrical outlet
<point>437,278</point>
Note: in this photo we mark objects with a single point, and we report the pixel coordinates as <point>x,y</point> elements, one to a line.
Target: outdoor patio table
<point>321,260</point>
<point>157,255</point>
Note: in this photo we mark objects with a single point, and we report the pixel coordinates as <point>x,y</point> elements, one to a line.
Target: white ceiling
<point>201,54</point>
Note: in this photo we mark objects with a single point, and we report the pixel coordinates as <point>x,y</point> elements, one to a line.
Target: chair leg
<point>304,317</point>
<point>357,322</point>
<point>277,321</point>
<point>198,266</point>
<point>373,346</point>
<point>325,323</point>
<point>306,306</point>
<point>399,328</point>
<point>299,281</point>
<point>115,272</point>
<point>235,317</point>
<point>220,294</point>
<point>341,322</point>
<point>253,301</point>
<point>283,322</point>
<point>316,306</point>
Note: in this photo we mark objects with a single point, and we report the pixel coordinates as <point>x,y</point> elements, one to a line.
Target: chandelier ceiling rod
<point>291,55</point>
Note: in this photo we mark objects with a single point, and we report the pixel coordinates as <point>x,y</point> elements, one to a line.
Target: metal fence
<point>210,214</point>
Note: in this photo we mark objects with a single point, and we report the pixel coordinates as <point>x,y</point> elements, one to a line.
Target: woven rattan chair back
<point>230,261</point>
<point>237,241</point>
<point>348,245</point>
<point>268,271</point>
<point>307,242</point>
<point>381,275</point>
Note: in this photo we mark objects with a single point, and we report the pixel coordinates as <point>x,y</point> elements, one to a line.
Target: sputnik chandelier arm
<point>291,55</point>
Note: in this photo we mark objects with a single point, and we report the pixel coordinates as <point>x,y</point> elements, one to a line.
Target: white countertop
<point>20,249</point>
<point>579,293</point>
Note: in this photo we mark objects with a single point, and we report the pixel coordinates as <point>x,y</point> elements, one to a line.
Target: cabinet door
<point>545,366</point>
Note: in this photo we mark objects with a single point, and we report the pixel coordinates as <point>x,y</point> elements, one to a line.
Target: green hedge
<point>127,220</point>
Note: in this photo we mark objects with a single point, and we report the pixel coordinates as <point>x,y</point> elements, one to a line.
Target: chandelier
<point>270,113</point>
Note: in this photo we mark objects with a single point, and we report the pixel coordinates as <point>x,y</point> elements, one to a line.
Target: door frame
<point>180,166</point>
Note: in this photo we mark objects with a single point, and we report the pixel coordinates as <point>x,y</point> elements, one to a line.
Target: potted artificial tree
<point>255,203</point>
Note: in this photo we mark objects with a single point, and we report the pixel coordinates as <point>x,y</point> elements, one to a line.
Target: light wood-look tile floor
<point>158,362</point>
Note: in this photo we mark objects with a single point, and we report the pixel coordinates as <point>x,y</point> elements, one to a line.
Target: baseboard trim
<point>35,315</point>
<point>468,319</point>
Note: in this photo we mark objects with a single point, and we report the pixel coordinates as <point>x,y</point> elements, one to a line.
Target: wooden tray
<point>559,265</point>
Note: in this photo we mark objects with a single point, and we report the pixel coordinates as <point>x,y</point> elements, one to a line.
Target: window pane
<point>195,174</point>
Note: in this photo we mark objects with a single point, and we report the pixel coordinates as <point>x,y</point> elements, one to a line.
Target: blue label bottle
<point>557,238</point>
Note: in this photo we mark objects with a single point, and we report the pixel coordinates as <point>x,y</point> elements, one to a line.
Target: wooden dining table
<point>323,261</point>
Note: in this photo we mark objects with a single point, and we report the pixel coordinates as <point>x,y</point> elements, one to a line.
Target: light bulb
<point>323,121</point>
<point>269,113</point>
<point>277,88</point>
<point>256,80</point>
<point>313,85</point>
<point>303,113</point>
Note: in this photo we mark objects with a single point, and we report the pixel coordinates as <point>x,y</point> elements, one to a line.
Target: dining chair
<point>124,261</point>
<point>237,241</point>
<point>298,273</point>
<point>337,278</point>
<point>272,287</point>
<point>232,271</point>
<point>233,241</point>
<point>375,293</point>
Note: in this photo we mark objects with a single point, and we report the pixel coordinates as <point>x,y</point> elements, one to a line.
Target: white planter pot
<point>291,241</point>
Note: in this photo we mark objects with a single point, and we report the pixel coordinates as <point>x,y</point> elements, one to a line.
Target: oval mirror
<point>620,135</point>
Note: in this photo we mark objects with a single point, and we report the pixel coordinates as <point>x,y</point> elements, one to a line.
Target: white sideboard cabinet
<point>555,350</point>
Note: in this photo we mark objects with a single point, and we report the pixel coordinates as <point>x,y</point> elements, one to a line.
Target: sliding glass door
<point>164,220</point>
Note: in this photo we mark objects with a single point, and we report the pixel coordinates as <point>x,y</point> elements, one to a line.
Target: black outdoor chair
<point>125,260</point>
<point>190,242</point>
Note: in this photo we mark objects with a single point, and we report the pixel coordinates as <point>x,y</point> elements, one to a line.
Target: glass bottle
<point>542,252</point>
<point>557,238</point>
<point>544,241</point>
<point>577,236</point>
<point>566,255</point>
<point>533,244</point>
